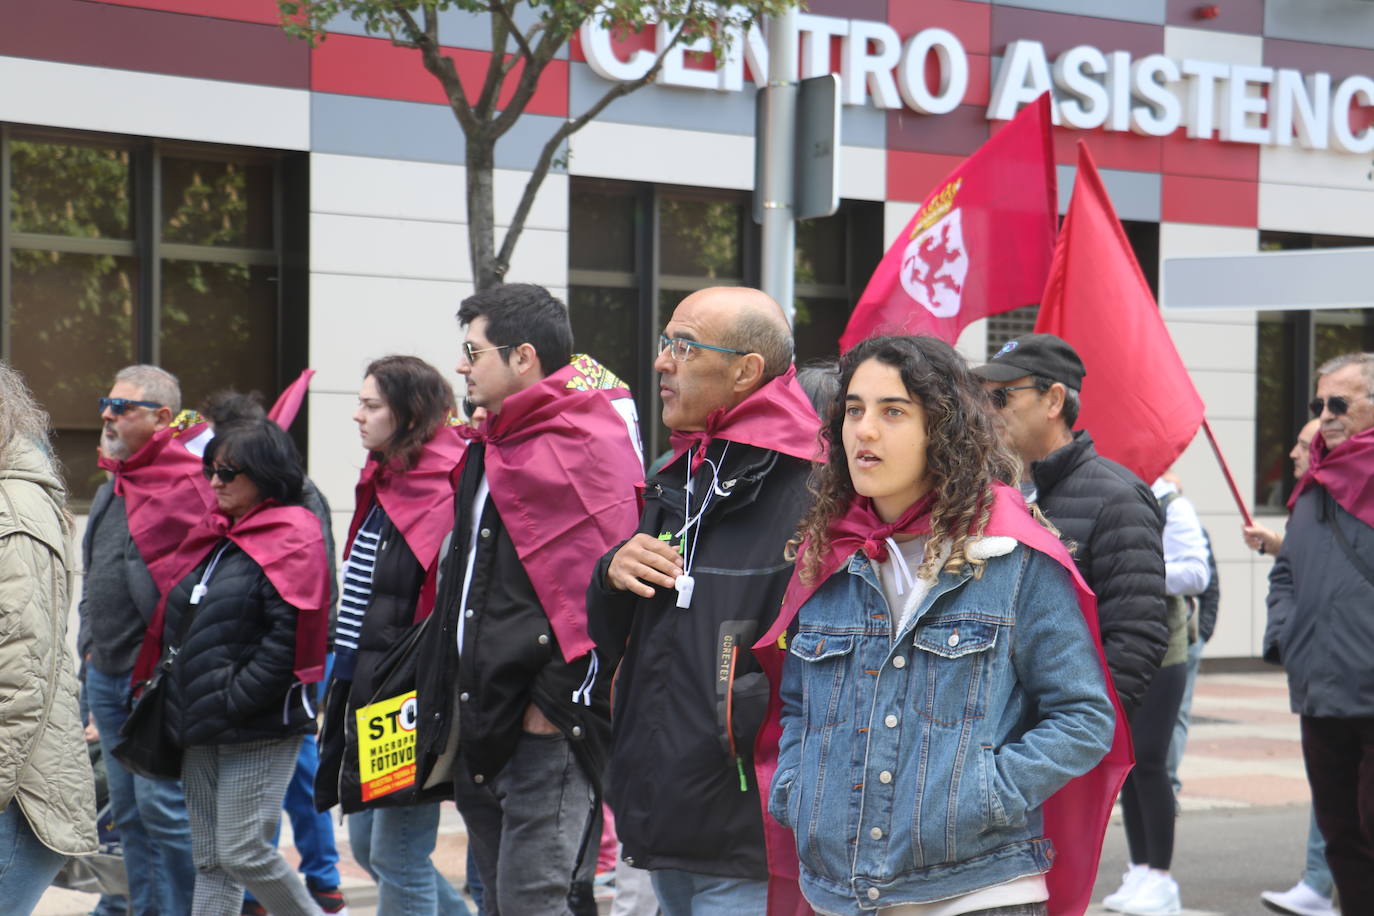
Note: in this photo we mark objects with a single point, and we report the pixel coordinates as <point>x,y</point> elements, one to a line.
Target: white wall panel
<point>366,186</point>
<point>372,246</point>
<point>1297,165</point>
<point>354,320</point>
<point>1207,44</point>
<point>1326,211</point>
<point>153,104</point>
<point>863,173</point>
<point>660,154</point>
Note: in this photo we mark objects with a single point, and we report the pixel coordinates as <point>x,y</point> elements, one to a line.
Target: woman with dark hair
<point>403,510</point>
<point>943,679</point>
<point>239,637</point>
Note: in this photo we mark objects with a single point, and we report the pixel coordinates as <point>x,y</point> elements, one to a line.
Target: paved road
<point>1242,830</point>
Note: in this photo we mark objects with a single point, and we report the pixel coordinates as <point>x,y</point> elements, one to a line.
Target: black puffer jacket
<point>233,676</point>
<point>1114,526</point>
<point>681,779</point>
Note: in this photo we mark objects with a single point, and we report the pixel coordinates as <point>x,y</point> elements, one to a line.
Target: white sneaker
<point>1299,899</point>
<point>1156,896</point>
<point>1130,883</point>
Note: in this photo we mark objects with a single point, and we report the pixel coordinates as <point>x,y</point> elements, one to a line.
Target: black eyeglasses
<point>224,472</point>
<point>1336,404</point>
<point>118,406</point>
<point>999,395</point>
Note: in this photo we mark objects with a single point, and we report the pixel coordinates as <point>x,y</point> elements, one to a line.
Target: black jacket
<point>1113,525</point>
<point>232,678</point>
<point>397,578</point>
<point>510,656</point>
<point>1321,611</point>
<point>681,779</point>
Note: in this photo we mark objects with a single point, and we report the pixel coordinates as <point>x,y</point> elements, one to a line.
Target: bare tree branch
<point>499,9</point>
<point>437,63</point>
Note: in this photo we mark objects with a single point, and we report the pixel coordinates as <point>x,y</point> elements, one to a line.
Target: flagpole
<point>1226,471</point>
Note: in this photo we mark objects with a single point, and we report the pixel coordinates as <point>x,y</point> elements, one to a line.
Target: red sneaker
<point>331,901</point>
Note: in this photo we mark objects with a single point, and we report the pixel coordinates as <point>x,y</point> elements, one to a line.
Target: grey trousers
<point>525,825</point>
<point>233,798</point>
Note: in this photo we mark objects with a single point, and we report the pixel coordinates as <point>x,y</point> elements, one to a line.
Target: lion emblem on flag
<point>935,264</point>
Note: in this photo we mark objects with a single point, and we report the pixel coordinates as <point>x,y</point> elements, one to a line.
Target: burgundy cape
<point>419,501</point>
<point>286,541</point>
<point>165,495</point>
<point>563,473</point>
<point>1347,472</point>
<point>778,416</point>
<point>1076,816</point>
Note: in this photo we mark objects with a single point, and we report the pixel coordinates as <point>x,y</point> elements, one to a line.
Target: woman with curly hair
<point>943,679</point>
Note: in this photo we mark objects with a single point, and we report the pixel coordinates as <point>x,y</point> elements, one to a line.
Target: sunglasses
<point>999,395</point>
<point>472,352</point>
<point>681,349</point>
<point>118,406</point>
<point>224,472</point>
<point>1336,404</point>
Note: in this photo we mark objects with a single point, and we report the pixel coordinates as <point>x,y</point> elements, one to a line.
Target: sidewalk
<point>1243,751</point>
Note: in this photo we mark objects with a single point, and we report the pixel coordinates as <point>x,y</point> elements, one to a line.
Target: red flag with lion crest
<point>980,244</point>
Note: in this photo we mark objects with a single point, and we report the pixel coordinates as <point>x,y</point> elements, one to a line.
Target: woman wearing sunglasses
<point>943,680</point>
<point>403,511</point>
<point>239,637</point>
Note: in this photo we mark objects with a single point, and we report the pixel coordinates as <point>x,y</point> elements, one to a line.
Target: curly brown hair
<point>964,454</point>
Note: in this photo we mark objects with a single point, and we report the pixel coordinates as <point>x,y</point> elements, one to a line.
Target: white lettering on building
<point>1154,95</point>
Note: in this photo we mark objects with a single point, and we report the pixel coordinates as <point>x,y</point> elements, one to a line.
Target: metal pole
<point>780,130</point>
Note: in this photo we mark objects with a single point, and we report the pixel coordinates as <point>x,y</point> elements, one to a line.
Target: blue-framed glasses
<point>680,348</point>
<point>118,406</point>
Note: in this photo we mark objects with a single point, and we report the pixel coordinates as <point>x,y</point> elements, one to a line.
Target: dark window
<point>636,251</point>
<point>1144,239</point>
<point>96,281</point>
<point>1291,346</point>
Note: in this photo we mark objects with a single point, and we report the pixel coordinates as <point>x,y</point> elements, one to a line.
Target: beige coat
<point>43,761</point>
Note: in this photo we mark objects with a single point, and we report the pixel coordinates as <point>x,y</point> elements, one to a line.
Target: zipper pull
<point>743,782</point>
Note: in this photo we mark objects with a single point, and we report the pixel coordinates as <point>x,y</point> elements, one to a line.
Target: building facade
<point>184,184</point>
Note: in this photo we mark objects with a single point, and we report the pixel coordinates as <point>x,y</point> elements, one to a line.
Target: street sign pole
<point>778,119</point>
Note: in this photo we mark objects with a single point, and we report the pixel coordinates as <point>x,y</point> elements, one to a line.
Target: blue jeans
<point>27,867</point>
<point>394,845</point>
<point>685,893</point>
<point>150,813</point>
<point>1185,711</point>
<point>313,830</point>
<point>1317,874</point>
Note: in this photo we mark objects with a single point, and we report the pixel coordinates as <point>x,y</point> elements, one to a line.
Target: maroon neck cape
<point>1076,816</point>
<point>778,416</point>
<point>1347,473</point>
<point>286,541</point>
<point>165,495</point>
<point>419,501</point>
<point>563,474</point>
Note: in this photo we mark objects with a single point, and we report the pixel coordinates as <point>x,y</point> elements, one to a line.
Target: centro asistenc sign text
<point>1153,95</point>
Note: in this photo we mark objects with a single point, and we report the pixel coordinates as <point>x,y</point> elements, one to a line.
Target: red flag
<point>1138,401</point>
<point>979,245</point>
<point>289,404</point>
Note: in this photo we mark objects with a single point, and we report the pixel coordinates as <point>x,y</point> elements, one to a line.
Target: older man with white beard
<point>118,597</point>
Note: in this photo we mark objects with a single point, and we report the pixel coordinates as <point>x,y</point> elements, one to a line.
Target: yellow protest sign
<point>386,745</point>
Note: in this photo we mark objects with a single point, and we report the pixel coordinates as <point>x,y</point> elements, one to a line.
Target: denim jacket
<point>913,769</point>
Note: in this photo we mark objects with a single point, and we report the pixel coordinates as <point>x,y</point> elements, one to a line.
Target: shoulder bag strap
<point>1357,561</point>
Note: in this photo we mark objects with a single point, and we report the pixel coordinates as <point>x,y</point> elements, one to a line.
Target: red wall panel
<point>1209,201</point>
<point>911,176</point>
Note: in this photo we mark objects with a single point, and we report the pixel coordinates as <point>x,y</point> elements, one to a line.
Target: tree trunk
<point>481,202</point>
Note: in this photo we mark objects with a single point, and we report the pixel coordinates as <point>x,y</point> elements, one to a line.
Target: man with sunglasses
<point>1321,620</point>
<point>1103,511</point>
<point>687,596</point>
<point>512,696</point>
<point>118,598</point>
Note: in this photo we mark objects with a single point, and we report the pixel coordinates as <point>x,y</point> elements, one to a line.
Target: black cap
<point>1035,354</point>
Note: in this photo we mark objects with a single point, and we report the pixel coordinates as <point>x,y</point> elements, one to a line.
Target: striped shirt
<point>356,593</point>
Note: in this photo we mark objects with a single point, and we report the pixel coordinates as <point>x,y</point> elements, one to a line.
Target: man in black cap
<point>1107,515</point>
